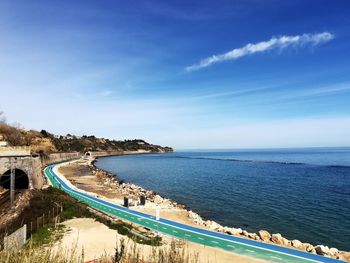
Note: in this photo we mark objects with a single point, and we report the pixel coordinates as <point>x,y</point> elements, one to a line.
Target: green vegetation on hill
<point>45,142</point>
<point>91,143</point>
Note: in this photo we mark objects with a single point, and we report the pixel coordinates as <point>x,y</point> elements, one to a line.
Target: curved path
<point>242,246</point>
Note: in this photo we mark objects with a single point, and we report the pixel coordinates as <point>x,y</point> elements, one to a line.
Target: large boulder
<point>345,256</point>
<point>286,242</point>
<point>245,233</point>
<point>297,244</point>
<point>322,250</point>
<point>309,248</point>
<point>252,235</point>
<point>234,231</point>
<point>333,251</point>
<point>212,225</point>
<point>264,235</point>
<point>158,199</point>
<point>277,239</point>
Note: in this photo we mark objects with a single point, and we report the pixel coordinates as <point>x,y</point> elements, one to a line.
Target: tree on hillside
<point>44,133</point>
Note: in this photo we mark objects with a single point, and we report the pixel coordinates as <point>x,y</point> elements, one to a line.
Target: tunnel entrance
<point>21,180</point>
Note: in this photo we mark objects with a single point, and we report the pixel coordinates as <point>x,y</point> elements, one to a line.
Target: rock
<point>277,239</point>
<point>245,233</point>
<point>252,235</point>
<point>220,229</point>
<point>158,199</point>
<point>309,248</point>
<point>333,251</point>
<point>212,225</point>
<point>234,231</point>
<point>322,250</point>
<point>345,256</point>
<point>286,242</point>
<point>296,243</point>
<point>264,235</point>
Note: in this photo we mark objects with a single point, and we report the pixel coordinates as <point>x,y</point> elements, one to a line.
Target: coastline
<point>178,212</point>
<point>77,173</point>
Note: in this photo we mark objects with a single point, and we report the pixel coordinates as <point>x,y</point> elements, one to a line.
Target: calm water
<point>302,194</point>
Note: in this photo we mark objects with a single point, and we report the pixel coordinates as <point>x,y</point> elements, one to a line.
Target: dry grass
<point>124,253</point>
<point>40,255</point>
<point>175,252</point>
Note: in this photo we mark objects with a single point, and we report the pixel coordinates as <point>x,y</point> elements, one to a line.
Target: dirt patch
<point>81,175</point>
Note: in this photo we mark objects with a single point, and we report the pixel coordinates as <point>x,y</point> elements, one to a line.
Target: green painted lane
<point>241,246</point>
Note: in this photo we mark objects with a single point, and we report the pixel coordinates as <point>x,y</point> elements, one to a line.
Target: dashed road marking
<point>274,257</point>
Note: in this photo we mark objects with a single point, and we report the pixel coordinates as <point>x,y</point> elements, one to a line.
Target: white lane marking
<point>187,235</point>
<point>251,251</point>
<point>201,238</point>
<point>85,196</point>
<point>274,257</point>
<point>231,246</point>
<point>215,242</point>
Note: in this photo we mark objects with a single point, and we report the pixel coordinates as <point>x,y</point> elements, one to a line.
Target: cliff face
<point>45,143</point>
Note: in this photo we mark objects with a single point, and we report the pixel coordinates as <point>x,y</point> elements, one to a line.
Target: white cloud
<point>273,43</point>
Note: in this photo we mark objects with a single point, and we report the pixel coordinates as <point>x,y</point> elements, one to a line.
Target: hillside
<point>91,143</point>
<point>44,142</point>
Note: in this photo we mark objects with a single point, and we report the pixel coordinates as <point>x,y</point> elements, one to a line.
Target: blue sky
<point>189,74</point>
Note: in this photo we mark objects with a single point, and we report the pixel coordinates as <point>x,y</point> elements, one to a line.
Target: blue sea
<point>301,193</point>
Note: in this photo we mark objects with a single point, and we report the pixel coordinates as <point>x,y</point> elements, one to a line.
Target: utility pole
<point>12,183</point>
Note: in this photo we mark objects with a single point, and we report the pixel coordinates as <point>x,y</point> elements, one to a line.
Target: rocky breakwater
<point>267,237</point>
<point>133,191</point>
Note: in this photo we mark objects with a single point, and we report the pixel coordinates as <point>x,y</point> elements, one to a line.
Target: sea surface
<point>301,193</point>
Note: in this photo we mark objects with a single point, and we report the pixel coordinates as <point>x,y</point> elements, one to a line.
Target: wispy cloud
<point>273,43</point>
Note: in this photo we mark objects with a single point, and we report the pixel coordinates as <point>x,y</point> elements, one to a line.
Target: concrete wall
<point>60,157</point>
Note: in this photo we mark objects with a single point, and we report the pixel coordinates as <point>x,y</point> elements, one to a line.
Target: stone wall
<point>33,165</point>
<point>28,164</point>
<point>60,157</point>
